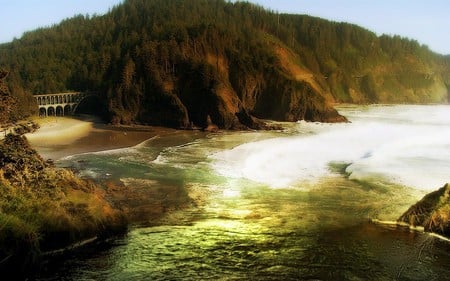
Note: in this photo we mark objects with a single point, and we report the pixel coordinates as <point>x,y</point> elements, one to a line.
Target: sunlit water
<point>286,205</point>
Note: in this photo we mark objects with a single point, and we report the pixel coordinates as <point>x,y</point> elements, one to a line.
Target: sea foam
<point>408,145</point>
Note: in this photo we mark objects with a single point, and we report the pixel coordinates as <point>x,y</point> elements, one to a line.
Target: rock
<point>210,127</point>
<point>165,110</point>
<point>432,212</point>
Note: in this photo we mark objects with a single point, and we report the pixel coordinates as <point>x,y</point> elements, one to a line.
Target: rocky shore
<point>44,208</point>
<point>432,212</point>
<point>47,211</point>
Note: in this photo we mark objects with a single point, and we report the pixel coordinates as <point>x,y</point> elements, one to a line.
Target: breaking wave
<point>407,145</point>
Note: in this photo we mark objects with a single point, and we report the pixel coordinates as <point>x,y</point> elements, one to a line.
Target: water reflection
<point>239,229</point>
<point>211,251</point>
<point>260,233</point>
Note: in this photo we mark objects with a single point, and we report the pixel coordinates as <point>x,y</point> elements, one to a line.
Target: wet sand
<point>60,137</point>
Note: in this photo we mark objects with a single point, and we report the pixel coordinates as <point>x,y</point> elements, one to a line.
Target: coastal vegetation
<point>184,63</point>
<point>44,208</point>
<point>15,104</point>
<point>7,102</point>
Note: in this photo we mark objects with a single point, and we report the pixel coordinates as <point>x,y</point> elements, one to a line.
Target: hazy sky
<point>427,21</point>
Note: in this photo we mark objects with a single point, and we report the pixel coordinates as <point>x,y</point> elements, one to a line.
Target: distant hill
<point>184,63</point>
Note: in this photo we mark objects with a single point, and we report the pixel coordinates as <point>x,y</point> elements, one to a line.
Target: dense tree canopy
<point>177,62</point>
<point>6,100</point>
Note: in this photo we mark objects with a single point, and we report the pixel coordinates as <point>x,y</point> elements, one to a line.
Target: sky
<point>427,21</point>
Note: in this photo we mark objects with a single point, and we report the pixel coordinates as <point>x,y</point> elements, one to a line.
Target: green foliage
<point>7,102</point>
<point>15,103</point>
<point>137,54</point>
<point>369,86</point>
<point>44,208</point>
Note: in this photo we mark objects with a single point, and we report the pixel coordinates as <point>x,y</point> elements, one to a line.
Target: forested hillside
<point>186,62</point>
<point>14,107</point>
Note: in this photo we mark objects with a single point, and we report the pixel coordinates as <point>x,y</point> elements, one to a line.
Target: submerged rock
<point>432,212</point>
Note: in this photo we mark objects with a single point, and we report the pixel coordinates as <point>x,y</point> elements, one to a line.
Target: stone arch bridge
<point>60,104</point>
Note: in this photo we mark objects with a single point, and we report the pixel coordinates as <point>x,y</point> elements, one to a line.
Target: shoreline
<point>70,211</point>
<point>59,137</point>
<point>399,224</point>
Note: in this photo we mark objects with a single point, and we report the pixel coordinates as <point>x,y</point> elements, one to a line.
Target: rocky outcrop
<point>205,96</point>
<point>291,100</point>
<point>43,208</point>
<point>432,212</point>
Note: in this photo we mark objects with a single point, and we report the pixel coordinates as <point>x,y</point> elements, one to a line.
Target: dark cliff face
<point>203,95</point>
<point>222,90</point>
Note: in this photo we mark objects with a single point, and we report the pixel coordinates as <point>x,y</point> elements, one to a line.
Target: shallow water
<point>280,205</point>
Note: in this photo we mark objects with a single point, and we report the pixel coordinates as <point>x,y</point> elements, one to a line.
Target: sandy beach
<point>61,136</point>
<point>59,131</point>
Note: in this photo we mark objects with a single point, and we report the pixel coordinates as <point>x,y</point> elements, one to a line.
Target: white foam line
<point>398,150</point>
<point>420,229</point>
<point>121,150</point>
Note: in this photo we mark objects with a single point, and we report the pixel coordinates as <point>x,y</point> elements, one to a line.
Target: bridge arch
<point>59,111</point>
<point>67,110</point>
<point>51,111</point>
<point>43,112</point>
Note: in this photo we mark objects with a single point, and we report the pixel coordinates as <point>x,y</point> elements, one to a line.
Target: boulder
<point>210,126</point>
<point>432,212</point>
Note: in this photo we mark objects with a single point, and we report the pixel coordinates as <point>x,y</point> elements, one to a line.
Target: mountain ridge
<point>184,63</point>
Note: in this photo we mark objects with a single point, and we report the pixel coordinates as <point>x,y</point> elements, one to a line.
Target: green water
<point>241,229</point>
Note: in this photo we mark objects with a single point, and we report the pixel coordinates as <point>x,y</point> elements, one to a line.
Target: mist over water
<point>406,145</point>
<point>278,205</point>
